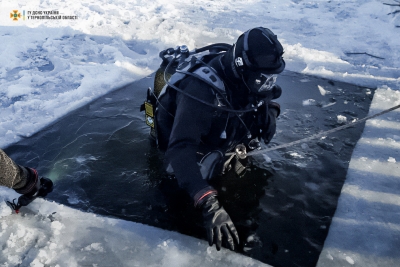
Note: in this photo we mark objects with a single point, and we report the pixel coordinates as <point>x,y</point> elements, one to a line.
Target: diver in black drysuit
<point>188,129</point>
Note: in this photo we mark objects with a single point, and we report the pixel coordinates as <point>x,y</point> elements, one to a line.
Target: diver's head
<point>256,59</point>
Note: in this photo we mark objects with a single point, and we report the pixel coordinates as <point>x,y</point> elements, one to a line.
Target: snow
<point>59,65</point>
<point>49,234</point>
<point>365,229</point>
<point>50,67</point>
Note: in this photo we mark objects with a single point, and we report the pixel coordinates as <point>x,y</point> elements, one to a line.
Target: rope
<point>321,134</point>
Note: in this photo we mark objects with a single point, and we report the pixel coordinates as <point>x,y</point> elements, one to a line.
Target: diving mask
<point>259,82</point>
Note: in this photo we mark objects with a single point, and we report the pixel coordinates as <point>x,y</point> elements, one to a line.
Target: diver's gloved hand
<point>217,222</point>
<point>276,91</point>
<point>31,178</point>
<point>267,121</point>
<point>35,187</point>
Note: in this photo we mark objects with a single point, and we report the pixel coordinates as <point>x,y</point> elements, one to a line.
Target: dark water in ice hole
<point>102,161</point>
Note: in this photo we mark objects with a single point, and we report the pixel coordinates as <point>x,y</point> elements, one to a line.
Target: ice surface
<point>50,67</point>
<point>49,234</point>
<point>60,65</point>
<point>365,230</point>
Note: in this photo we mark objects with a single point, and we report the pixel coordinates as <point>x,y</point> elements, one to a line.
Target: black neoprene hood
<point>259,49</point>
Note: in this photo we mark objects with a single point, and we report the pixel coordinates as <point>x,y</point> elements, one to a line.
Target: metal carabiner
<point>240,151</point>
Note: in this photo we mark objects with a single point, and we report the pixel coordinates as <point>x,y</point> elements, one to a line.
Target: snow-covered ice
<point>365,230</point>
<point>50,67</point>
<point>49,234</point>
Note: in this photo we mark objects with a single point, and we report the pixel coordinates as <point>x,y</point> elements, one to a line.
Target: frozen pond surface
<point>365,229</point>
<point>52,67</point>
<point>102,161</point>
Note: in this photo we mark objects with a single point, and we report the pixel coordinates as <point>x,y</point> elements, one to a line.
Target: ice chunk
<point>266,158</point>
<point>296,155</point>
<point>341,119</point>
<point>391,160</point>
<point>309,102</point>
<point>329,104</point>
<point>322,90</point>
<point>349,260</point>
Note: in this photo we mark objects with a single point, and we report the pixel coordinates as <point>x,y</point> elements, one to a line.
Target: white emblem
<point>239,61</point>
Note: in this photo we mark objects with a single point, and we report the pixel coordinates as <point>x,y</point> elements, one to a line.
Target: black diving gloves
<point>217,222</point>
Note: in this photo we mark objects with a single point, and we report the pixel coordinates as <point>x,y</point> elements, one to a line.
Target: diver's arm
<point>192,120</point>
<point>11,174</point>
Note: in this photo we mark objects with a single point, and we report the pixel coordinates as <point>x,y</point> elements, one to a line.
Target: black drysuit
<point>188,129</point>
